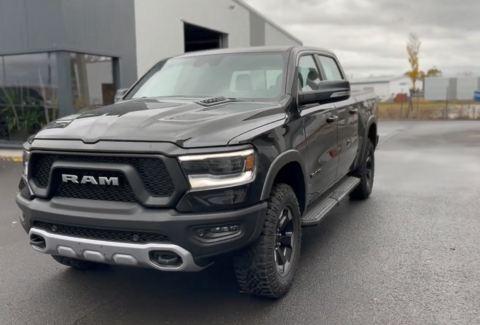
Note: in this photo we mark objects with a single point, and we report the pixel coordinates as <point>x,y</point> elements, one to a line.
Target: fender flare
<point>371,120</point>
<point>362,149</point>
<point>278,163</point>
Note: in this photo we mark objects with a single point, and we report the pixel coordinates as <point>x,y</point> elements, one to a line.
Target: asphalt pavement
<point>408,255</point>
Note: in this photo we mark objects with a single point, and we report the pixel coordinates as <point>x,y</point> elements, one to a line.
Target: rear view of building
<point>386,88</point>
<point>58,57</point>
<point>455,88</point>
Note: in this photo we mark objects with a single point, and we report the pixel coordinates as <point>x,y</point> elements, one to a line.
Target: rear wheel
<point>366,175</point>
<point>75,263</point>
<point>267,268</point>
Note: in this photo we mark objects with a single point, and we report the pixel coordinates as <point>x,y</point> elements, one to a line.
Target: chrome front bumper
<point>113,252</point>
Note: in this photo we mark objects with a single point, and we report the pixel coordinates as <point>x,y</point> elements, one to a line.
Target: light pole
<point>446,102</point>
<point>401,99</point>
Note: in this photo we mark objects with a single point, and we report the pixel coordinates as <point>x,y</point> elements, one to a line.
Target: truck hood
<point>187,123</point>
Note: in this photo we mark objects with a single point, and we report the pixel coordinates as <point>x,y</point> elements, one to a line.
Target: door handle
<point>332,119</point>
<point>353,111</point>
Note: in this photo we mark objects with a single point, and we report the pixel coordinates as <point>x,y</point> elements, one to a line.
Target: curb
<point>11,155</point>
<point>13,159</point>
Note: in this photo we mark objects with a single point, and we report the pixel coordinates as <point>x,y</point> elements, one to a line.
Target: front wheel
<point>267,268</point>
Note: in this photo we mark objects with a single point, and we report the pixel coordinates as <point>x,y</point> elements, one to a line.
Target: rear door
<point>320,123</point>
<point>347,112</point>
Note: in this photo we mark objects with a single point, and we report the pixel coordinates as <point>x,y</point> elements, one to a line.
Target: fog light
<point>217,231</point>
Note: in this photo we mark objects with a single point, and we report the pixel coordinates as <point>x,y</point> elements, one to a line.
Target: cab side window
<point>308,76</point>
<point>332,72</point>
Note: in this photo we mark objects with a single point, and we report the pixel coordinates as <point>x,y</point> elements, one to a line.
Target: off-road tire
<point>366,174</point>
<point>255,267</point>
<point>75,263</point>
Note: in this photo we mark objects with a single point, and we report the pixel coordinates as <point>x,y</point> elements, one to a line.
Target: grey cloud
<point>392,13</point>
<point>370,36</point>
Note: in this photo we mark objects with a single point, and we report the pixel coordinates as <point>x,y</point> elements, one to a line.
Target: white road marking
<point>385,138</point>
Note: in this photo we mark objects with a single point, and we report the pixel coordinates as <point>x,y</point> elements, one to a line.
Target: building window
<point>28,94</point>
<point>92,81</point>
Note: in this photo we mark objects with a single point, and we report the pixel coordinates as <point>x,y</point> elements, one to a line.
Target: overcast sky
<point>369,36</point>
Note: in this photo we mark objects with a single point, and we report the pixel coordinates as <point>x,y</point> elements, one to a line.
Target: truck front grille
<point>121,193</point>
<point>134,237</point>
<point>152,171</point>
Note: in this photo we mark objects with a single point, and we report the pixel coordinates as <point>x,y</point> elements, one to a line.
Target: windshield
<point>236,75</point>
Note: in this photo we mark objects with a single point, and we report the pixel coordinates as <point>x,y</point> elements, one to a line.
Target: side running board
<point>321,206</point>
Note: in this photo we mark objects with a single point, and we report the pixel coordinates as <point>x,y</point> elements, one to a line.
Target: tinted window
<point>92,80</point>
<point>332,72</point>
<point>309,76</point>
<point>28,93</point>
<point>237,75</point>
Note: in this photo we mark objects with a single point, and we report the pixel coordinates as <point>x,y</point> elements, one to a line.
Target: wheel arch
<point>372,133</point>
<point>288,168</point>
<point>369,133</point>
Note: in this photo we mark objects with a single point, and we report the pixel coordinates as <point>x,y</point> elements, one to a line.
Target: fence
<point>421,110</point>
<point>446,106</point>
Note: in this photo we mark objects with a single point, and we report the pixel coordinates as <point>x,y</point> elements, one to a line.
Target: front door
<point>320,123</point>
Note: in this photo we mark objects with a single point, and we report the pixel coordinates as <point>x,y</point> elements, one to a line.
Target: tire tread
<point>255,266</point>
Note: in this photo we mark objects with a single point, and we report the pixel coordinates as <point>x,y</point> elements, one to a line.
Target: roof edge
<point>353,82</point>
<point>267,20</point>
<point>369,80</point>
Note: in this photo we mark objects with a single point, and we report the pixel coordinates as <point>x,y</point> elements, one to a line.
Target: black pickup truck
<point>209,153</point>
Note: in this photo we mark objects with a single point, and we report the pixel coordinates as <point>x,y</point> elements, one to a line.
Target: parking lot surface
<point>408,255</point>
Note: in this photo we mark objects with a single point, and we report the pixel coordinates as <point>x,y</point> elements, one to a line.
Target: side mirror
<point>119,94</point>
<point>326,92</point>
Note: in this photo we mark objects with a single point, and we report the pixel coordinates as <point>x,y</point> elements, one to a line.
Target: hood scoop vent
<point>213,101</point>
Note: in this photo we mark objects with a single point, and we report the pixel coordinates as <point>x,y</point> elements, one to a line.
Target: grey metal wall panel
<point>436,88</point>
<point>452,89</point>
<point>102,27</point>
<point>13,26</point>
<point>257,30</point>
<point>43,24</point>
<point>466,88</point>
<point>30,25</point>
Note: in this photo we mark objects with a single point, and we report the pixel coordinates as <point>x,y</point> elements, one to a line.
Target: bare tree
<point>413,50</point>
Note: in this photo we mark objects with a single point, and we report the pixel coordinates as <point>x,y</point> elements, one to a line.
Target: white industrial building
<point>165,28</point>
<point>455,88</point>
<point>386,88</point>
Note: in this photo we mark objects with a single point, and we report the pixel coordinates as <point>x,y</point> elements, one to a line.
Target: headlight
<point>25,159</point>
<point>219,170</point>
